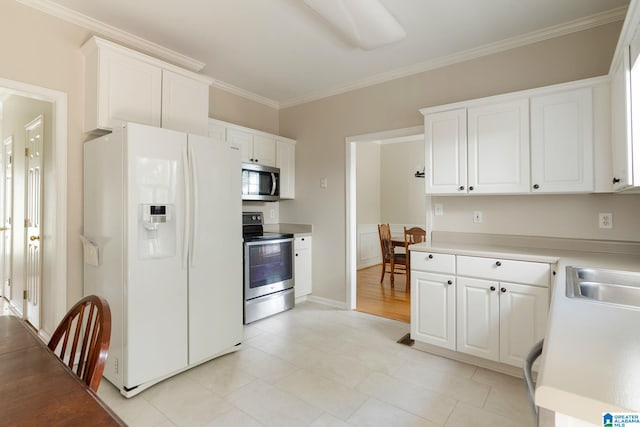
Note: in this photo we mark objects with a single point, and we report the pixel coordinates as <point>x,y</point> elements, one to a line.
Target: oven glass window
<point>270,263</point>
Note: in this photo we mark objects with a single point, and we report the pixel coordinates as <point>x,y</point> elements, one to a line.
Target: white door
<point>523,320</point>
<point>433,309</point>
<point>303,274</point>
<point>7,213</point>
<point>478,318</point>
<point>33,219</point>
<point>446,152</point>
<point>155,332</point>
<point>498,146</point>
<point>562,142</point>
<point>215,258</point>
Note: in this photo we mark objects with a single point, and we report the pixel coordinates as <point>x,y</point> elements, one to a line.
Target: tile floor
<point>318,366</point>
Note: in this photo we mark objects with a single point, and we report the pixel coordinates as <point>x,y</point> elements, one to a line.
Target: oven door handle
<point>268,242</point>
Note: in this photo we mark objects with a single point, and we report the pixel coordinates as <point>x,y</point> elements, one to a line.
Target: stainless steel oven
<point>268,270</point>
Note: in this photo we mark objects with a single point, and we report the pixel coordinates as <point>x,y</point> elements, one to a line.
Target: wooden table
<point>37,389</point>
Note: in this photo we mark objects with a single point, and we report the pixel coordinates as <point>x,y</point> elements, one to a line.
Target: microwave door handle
<point>274,184</point>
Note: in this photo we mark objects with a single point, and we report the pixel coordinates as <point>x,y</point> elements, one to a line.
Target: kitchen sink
<point>607,286</point>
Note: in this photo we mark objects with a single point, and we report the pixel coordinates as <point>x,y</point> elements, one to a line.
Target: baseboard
<point>472,360</point>
<point>326,301</point>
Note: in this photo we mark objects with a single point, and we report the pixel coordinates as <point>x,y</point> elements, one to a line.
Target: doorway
<point>376,158</point>
<point>46,236</point>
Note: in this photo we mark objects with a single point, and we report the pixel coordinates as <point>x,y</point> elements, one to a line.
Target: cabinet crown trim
<point>543,90</point>
<point>96,42</point>
<point>252,131</point>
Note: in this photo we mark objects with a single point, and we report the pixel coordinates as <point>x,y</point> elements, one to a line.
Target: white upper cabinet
<point>498,157</point>
<point>119,89</point>
<point>185,103</point>
<point>122,85</point>
<point>446,152</point>
<point>254,148</point>
<point>562,142</point>
<point>264,150</point>
<point>621,143</point>
<point>286,162</point>
<point>542,140</point>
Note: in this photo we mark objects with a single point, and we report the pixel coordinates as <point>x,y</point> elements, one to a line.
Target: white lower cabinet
<point>302,265</point>
<point>433,309</point>
<point>487,316</point>
<point>500,321</point>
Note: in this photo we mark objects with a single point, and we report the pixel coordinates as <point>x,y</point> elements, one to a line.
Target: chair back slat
<point>81,340</point>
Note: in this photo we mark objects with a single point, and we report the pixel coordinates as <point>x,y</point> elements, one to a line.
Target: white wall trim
<point>581,24</point>
<point>246,94</point>
<point>327,301</point>
<point>114,33</point>
<point>60,147</point>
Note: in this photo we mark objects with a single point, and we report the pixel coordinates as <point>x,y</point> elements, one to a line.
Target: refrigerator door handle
<point>187,207</point>
<point>194,223</point>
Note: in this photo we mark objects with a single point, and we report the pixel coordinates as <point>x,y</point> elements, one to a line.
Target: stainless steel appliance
<point>268,270</point>
<point>260,182</point>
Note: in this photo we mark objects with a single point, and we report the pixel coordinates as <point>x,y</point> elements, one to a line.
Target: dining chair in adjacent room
<point>397,261</point>
<point>81,340</point>
<point>411,236</point>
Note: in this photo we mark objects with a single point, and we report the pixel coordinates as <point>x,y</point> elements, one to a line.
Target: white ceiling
<point>281,51</point>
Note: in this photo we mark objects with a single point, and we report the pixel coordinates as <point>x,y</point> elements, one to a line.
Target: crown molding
<point>246,94</point>
<point>114,33</point>
<point>581,24</point>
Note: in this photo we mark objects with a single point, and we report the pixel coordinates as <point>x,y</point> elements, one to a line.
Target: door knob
<point>3,228</point>
<point>493,288</point>
<point>32,238</point>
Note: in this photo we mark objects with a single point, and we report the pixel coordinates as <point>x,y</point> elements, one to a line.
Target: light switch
<point>477,217</point>
<point>323,182</point>
<point>437,209</point>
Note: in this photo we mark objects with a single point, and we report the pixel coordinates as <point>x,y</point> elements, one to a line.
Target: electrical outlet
<point>323,182</point>
<point>477,217</point>
<point>437,209</point>
<point>272,213</point>
<point>606,220</point>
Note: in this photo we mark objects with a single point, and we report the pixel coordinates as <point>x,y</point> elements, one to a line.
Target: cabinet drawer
<point>433,262</point>
<point>526,272</point>
<point>303,242</point>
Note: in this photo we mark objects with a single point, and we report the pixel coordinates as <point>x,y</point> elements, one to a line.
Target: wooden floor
<point>382,300</point>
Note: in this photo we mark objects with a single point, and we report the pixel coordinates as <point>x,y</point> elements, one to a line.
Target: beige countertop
<point>591,356</point>
<point>297,229</point>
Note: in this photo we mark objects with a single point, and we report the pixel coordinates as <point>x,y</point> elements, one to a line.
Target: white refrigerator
<point>163,244</point>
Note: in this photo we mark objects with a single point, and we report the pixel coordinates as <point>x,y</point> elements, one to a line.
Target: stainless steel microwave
<point>260,182</point>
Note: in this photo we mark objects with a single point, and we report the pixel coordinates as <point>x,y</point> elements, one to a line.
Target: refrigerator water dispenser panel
<point>156,231</point>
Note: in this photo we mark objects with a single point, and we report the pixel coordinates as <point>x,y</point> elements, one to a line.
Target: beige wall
<point>401,193</point>
<point>242,111</point>
<point>42,50</point>
<point>368,183</point>
<point>321,127</point>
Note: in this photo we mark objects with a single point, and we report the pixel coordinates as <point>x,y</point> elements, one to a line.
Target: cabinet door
<point>499,148</point>
<point>185,104</point>
<point>264,150</point>
<point>286,161</point>
<point>621,124</point>
<point>446,152</point>
<point>478,318</point>
<point>562,142</point>
<point>303,275</point>
<point>523,319</point>
<point>433,309</point>
<point>217,131</point>
<point>129,90</point>
<point>243,140</point>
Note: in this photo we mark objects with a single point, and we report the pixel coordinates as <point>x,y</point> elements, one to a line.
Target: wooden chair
<point>84,333</point>
<point>411,236</point>
<point>389,255</point>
